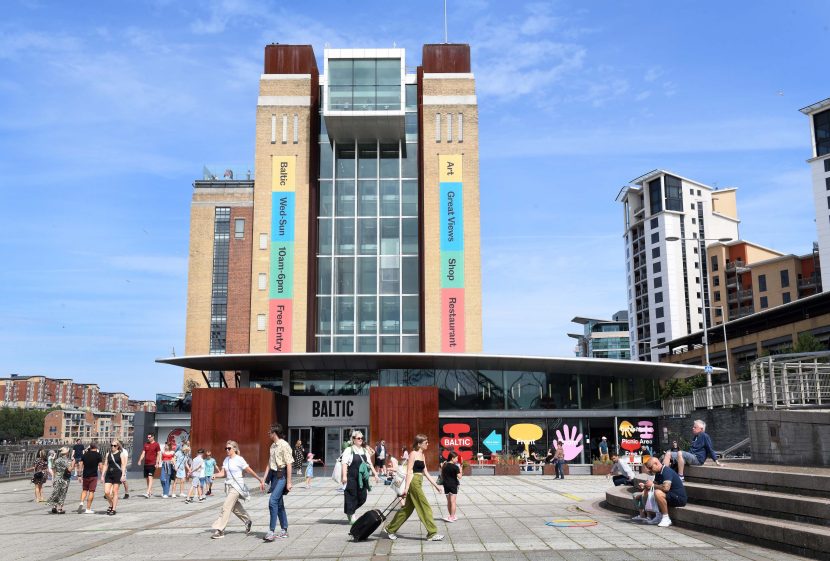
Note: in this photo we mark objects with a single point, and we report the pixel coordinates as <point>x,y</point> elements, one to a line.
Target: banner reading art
<point>451,250</point>
<point>281,270</point>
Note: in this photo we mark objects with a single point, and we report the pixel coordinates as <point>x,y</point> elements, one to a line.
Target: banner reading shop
<point>281,273</point>
<point>451,228</point>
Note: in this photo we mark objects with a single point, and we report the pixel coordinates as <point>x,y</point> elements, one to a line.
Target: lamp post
<point>702,257</point>
<point>723,324</point>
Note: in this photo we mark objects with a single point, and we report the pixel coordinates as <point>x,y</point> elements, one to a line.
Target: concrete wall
<point>726,426</point>
<point>790,437</point>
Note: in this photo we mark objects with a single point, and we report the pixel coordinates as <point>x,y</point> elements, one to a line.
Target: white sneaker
<point>639,518</point>
<point>173,495</point>
<point>665,522</point>
<point>165,496</point>
<point>90,511</point>
<point>656,520</point>
<point>435,538</point>
<point>390,535</point>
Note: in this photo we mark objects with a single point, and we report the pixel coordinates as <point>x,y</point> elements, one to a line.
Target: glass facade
<point>368,281</point>
<point>821,125</point>
<point>484,390</point>
<point>364,84</point>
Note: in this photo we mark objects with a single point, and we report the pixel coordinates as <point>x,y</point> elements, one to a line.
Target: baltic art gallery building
<point>339,286</point>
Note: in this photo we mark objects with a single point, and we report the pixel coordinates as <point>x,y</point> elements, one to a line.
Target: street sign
<point>708,369</point>
<point>493,441</point>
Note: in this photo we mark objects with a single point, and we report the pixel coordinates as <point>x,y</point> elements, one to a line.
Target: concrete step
<point>784,506</point>
<point>811,483</point>
<point>808,540</point>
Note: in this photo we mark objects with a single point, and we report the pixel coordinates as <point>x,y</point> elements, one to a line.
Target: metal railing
<point>678,406</point>
<point>173,402</point>
<point>791,381</point>
<point>723,395</point>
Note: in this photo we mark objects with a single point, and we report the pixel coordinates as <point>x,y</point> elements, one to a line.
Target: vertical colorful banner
<point>281,271</point>
<point>451,216</point>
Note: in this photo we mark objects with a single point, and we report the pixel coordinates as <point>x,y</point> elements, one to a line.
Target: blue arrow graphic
<point>493,441</point>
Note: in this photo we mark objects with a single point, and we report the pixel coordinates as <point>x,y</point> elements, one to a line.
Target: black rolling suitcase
<point>370,521</point>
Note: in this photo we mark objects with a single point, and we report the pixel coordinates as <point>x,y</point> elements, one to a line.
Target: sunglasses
<point>228,448</point>
<point>358,438</point>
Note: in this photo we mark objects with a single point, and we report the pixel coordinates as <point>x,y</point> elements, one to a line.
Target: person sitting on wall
<point>700,449</point>
<point>668,492</point>
<point>621,471</point>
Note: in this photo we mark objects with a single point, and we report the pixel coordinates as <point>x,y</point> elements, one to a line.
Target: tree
<point>21,424</point>
<point>681,387</point>
<point>807,343</point>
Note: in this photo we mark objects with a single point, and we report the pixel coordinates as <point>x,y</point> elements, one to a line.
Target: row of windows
<point>364,236</point>
<point>218,304</point>
<point>367,315</point>
<point>367,275</point>
<point>486,389</point>
<point>374,197</point>
<point>369,160</point>
<point>368,344</point>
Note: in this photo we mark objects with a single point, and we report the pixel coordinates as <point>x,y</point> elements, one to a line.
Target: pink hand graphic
<point>570,443</point>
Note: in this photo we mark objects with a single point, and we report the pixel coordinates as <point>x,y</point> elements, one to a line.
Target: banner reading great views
<point>451,216</point>
<point>281,273</point>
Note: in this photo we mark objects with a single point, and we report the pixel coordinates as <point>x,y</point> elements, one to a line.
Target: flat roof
<point>270,362</point>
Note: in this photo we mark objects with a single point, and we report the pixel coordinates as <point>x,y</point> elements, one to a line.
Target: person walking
<point>380,455</point>
<point>356,467</point>
<point>168,470</point>
<point>559,460</point>
<point>233,470</point>
<point>114,474</point>
<point>278,473</point>
<point>299,456</point>
<point>90,471</point>
<point>196,471</point>
<point>603,449</point>
<point>39,474</point>
<point>77,452</point>
<point>451,478</point>
<point>151,459</point>
<point>416,472</point>
<point>50,462</point>
<point>181,459</point>
<point>309,469</point>
<point>64,465</point>
<point>210,467</point>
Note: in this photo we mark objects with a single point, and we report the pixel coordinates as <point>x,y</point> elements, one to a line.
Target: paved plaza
<point>500,518</point>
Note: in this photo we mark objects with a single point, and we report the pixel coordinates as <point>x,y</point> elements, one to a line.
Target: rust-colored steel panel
<point>446,58</point>
<point>290,59</point>
<point>241,414</point>
<point>398,414</point>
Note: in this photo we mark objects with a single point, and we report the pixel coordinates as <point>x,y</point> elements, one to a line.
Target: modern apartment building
<point>668,281</point>
<point>359,231</point>
<point>746,278</point>
<point>602,338</point>
<point>819,115</point>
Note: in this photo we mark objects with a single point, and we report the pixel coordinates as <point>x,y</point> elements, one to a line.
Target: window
<point>764,303</point>
<point>438,127</point>
<point>658,297</point>
<point>273,129</point>
<point>785,278</point>
<point>655,222</point>
<point>762,283</point>
<point>655,237</point>
<point>674,193</point>
<point>239,228</point>
<point>827,180</point>
<point>460,129</point>
<point>718,311</point>
<point>263,241</point>
<point>364,84</point>
<point>655,200</point>
<point>697,280</point>
<point>262,281</point>
<point>716,280</point>
<point>656,267</point>
<point>658,282</point>
<point>827,165</point>
<point>655,253</point>
<point>260,322</point>
<point>821,126</point>
<point>661,327</point>
<point>717,296</point>
<point>658,312</point>
<point>786,297</point>
<point>714,263</point>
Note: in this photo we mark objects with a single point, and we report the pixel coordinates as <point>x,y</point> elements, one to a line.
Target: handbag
<point>67,475</point>
<point>337,474</point>
<point>241,487</point>
<point>651,502</point>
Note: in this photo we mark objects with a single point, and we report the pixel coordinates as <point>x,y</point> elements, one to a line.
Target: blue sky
<point>108,113</point>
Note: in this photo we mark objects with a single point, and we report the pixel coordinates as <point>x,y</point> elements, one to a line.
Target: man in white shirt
<point>621,471</point>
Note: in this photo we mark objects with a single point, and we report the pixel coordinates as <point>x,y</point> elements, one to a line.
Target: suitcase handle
<point>391,506</point>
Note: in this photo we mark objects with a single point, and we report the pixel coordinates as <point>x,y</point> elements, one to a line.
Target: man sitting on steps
<point>668,491</point>
<point>700,449</point>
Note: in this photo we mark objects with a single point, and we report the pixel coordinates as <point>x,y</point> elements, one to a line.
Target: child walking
<point>451,477</point>
<point>416,472</point>
<point>309,469</point>
<point>196,470</point>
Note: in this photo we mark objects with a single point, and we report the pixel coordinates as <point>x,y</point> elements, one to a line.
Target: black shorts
<point>149,470</point>
<point>113,477</point>
<point>450,489</point>
<point>673,499</point>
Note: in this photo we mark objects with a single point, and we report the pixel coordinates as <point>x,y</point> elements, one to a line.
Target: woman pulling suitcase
<point>415,498</point>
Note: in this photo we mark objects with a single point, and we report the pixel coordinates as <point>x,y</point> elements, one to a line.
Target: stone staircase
<point>779,507</point>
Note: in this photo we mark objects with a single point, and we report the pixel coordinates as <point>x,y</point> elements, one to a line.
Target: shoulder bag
<point>240,486</point>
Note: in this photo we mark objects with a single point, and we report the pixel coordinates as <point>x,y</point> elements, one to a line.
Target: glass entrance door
<point>334,444</point>
<point>302,434</point>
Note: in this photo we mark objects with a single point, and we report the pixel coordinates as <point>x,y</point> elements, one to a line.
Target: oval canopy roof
<point>268,363</point>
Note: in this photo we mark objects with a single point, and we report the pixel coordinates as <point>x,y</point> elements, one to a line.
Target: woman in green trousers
<point>415,499</point>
